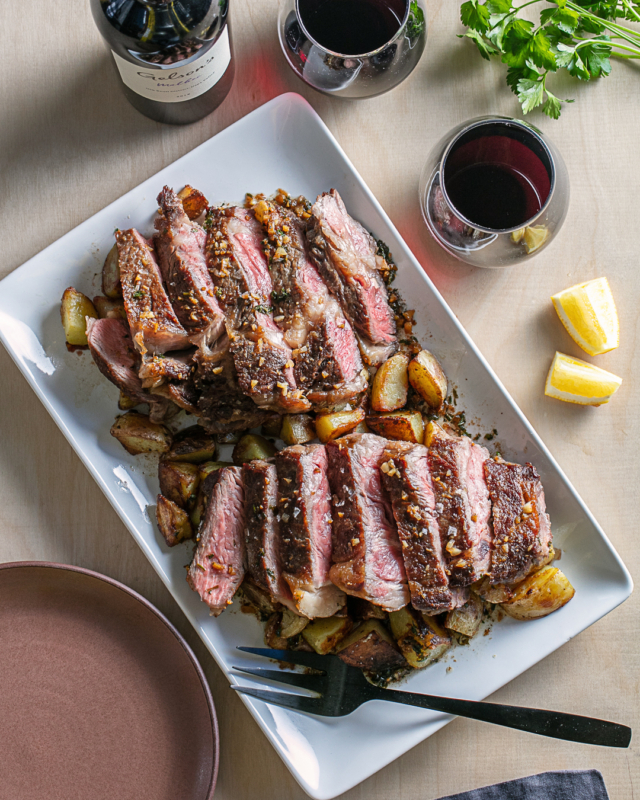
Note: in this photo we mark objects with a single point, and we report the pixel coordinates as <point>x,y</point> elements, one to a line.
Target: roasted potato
<point>251,447</point>
<point>371,647</point>
<point>111,285</point>
<point>137,434</point>
<point>74,309</point>
<point>542,593</point>
<point>194,445</point>
<point>292,624</point>
<point>108,308</point>
<point>179,482</point>
<point>405,425</point>
<point>126,403</point>
<point>324,634</point>
<point>193,201</point>
<point>420,638</point>
<point>173,521</point>
<point>330,426</point>
<point>272,633</point>
<point>428,379</point>
<point>272,426</point>
<point>361,427</point>
<point>492,593</point>
<point>204,488</point>
<point>390,384</point>
<point>466,619</point>
<point>297,429</point>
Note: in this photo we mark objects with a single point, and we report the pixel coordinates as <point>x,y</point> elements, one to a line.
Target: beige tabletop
<point>70,144</point>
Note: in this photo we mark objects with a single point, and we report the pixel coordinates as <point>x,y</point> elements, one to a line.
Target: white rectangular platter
<point>285,144</point>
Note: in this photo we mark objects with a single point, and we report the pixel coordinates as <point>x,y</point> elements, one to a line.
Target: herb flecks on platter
<point>579,37</point>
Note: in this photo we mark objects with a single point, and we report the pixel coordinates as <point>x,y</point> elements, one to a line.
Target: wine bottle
<point>174,58</point>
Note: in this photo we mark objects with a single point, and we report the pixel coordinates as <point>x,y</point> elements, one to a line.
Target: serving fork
<point>341,689</point>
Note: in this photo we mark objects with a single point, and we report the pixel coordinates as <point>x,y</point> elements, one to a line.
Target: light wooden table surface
<point>70,144</point>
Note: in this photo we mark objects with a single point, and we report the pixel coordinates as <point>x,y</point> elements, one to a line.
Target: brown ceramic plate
<point>100,697</point>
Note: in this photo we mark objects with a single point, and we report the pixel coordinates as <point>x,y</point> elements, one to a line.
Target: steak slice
<point>180,247</point>
<point>406,477</point>
<point>304,517</point>
<point>153,323</point>
<point>346,256</point>
<point>327,363</point>
<point>217,568</point>
<point>156,370</point>
<point>117,359</point>
<point>521,526</point>
<point>261,533</point>
<point>462,504</point>
<point>238,267</point>
<point>366,550</point>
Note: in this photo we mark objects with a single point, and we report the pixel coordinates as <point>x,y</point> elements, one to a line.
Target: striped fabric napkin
<point>574,785</point>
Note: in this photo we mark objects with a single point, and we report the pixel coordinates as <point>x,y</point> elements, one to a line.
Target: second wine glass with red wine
<point>494,191</point>
<point>352,48</point>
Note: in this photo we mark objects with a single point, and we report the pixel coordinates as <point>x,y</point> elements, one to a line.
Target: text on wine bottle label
<point>177,83</point>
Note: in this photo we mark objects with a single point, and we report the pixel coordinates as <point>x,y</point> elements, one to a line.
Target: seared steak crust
<point>406,477</point>
<point>366,550</point>
<point>304,516</point>
<point>180,246</point>
<point>239,270</point>
<point>462,505</point>
<point>327,363</point>
<point>153,323</point>
<point>346,257</point>
<point>217,568</point>
<point>521,527</point>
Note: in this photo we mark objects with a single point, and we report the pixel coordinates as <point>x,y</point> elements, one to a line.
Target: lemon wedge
<point>588,312</point>
<point>576,381</point>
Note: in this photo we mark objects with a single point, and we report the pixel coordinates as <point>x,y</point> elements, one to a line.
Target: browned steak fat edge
<point>366,550</point>
<point>154,326</point>
<point>406,477</point>
<point>327,363</point>
<point>239,270</point>
<point>217,568</point>
<point>462,504</point>
<point>117,359</point>
<point>260,481</point>
<point>346,256</point>
<point>180,246</point>
<point>304,516</point>
<point>521,526</point>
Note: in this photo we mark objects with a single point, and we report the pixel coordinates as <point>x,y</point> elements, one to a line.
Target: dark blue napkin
<point>582,785</point>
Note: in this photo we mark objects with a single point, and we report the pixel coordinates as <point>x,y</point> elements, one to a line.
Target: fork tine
<point>298,657</point>
<point>310,705</point>
<point>291,678</point>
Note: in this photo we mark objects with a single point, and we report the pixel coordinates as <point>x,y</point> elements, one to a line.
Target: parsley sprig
<point>579,36</point>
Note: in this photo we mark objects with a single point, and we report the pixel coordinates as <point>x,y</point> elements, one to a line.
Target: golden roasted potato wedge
<point>390,384</point>
<point>361,427</point>
<point>74,309</point>
<point>297,429</point>
<point>272,633</point>
<point>204,488</point>
<point>193,201</point>
<point>108,308</point>
<point>292,624</point>
<point>466,619</point>
<point>111,285</point>
<point>179,482</point>
<point>126,403</point>
<point>542,593</point>
<point>194,445</point>
<point>330,426</point>
<point>407,426</point>
<point>251,447</point>
<point>137,434</point>
<point>173,521</point>
<point>324,634</point>
<point>371,647</point>
<point>428,379</point>
<point>420,638</point>
<point>272,426</point>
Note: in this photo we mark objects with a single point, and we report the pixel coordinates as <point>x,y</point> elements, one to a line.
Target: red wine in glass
<point>352,27</point>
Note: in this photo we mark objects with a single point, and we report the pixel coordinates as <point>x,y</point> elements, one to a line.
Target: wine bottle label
<point>178,83</point>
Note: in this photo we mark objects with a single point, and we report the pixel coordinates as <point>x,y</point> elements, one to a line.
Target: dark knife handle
<point>533,720</point>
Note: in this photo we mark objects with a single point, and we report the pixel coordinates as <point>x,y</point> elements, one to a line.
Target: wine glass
<point>494,191</point>
<point>352,48</point>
